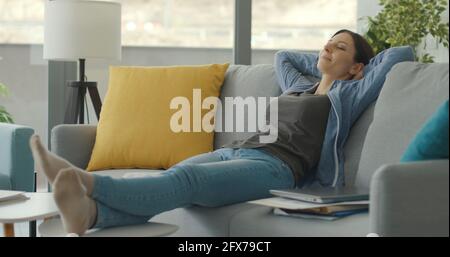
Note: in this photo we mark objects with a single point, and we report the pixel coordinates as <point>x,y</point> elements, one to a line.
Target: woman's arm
<point>375,74</point>
<point>292,67</point>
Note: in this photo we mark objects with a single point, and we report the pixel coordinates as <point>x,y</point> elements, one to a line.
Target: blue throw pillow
<point>432,140</point>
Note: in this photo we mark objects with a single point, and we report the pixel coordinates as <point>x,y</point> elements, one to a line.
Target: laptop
<point>324,195</point>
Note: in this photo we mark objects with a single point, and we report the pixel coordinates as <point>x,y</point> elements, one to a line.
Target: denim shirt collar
<point>313,89</point>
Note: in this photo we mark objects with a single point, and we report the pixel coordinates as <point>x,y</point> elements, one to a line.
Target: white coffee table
<point>42,206</point>
<point>39,206</point>
<point>54,228</point>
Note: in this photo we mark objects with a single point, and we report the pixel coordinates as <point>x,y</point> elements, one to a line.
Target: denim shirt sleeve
<point>293,67</point>
<point>375,73</point>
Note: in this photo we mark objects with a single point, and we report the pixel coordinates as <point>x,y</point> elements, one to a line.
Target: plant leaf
<point>408,22</point>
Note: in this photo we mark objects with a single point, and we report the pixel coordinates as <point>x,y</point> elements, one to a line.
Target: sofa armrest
<point>410,199</point>
<point>74,143</point>
<point>16,160</point>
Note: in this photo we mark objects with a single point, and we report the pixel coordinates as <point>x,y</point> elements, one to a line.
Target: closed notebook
<point>324,195</point>
<point>12,195</point>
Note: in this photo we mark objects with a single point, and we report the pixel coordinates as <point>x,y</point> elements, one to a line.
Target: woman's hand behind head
<point>359,76</point>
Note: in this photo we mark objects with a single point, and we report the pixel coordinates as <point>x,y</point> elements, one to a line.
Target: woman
<point>314,122</point>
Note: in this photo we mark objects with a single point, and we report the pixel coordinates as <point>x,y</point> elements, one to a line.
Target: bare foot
<point>78,211</point>
<point>51,164</point>
<point>46,162</point>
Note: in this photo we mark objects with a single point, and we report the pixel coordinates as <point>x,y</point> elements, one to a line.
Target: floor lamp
<point>78,30</point>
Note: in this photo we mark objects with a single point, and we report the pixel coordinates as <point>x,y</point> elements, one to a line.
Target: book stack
<point>325,213</point>
<point>301,209</point>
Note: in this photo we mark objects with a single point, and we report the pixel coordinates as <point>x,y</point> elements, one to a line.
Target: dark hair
<point>364,52</point>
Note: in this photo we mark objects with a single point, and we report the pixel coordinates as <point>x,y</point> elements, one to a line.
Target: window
<point>300,24</point>
<point>179,23</point>
<point>22,21</point>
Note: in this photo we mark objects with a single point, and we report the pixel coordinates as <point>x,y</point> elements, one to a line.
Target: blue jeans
<point>224,177</point>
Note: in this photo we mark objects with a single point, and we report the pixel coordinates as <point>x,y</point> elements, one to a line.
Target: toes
<point>35,141</point>
<point>37,149</point>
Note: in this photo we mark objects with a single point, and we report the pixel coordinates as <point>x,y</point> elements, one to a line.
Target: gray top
<point>302,121</point>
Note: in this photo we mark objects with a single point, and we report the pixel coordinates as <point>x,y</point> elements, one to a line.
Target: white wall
<point>371,8</point>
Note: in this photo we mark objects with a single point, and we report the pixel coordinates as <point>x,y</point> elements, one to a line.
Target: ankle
<point>88,182</point>
<point>92,214</point>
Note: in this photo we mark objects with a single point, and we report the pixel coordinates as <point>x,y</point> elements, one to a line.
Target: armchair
<point>16,161</point>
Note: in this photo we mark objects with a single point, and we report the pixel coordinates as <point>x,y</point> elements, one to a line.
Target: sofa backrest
<point>260,81</point>
<point>355,142</point>
<point>411,94</point>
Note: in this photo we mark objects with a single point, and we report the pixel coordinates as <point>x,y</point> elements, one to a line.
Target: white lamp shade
<point>79,29</point>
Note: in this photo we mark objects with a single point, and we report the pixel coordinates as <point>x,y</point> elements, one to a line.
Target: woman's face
<point>336,59</point>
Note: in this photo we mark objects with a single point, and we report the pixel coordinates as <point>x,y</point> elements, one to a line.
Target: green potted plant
<point>408,22</point>
<point>5,117</point>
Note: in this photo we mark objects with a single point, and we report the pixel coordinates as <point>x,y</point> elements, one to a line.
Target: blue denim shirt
<point>348,98</point>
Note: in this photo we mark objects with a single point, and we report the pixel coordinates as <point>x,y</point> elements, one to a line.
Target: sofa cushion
<point>412,92</point>
<point>261,222</point>
<point>244,81</point>
<point>202,221</point>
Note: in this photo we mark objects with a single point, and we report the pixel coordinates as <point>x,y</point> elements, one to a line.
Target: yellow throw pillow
<point>134,129</point>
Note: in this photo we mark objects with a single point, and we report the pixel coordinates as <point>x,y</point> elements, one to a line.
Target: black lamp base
<point>75,101</point>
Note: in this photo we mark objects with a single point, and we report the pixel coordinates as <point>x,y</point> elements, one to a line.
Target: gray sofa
<point>406,199</point>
